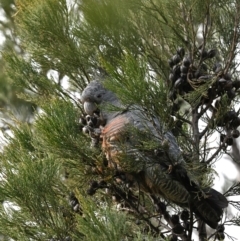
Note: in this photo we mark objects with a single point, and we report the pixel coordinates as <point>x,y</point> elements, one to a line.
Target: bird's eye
<point>99,96</point>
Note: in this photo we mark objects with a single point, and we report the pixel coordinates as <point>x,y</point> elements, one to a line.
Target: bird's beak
<point>89,107</point>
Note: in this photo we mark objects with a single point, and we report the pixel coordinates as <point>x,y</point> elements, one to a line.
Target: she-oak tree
<point>177,60</point>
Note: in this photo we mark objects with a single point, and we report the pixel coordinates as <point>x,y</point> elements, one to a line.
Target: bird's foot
<point>203,195</point>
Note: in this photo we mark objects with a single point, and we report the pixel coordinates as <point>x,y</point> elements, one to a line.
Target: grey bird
<point>159,171</point>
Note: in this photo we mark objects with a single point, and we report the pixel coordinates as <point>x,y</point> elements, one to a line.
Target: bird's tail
<point>207,204</point>
<point>209,207</point>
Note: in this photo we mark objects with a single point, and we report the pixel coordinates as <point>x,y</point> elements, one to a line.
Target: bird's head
<point>94,94</point>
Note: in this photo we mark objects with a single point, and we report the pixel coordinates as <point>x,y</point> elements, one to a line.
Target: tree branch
<point>234,39</point>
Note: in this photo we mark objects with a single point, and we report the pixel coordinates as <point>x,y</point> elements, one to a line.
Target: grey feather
<point>177,186</point>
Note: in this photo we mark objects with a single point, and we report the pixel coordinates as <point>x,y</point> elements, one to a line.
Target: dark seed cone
<point>228,85</point>
<point>94,184</point>
<point>175,219</point>
<point>176,59</point>
<point>204,53</point>
<point>184,215</point>
<point>220,236</point>
<point>235,123</point>
<point>186,61</point>
<point>91,191</point>
<point>183,69</point>
<point>176,70</point>
<point>178,83</point>
<point>227,76</point>
<point>184,76</point>
<point>222,137</point>
<point>178,229</point>
<point>222,81</point>
<point>236,84</point>
<point>229,141</point>
<point>173,238</point>
<point>211,53</point>
<point>181,52</point>
<point>229,116</point>
<point>171,77</point>
<point>221,228</point>
<point>235,133</point>
<point>231,94</point>
<point>217,68</point>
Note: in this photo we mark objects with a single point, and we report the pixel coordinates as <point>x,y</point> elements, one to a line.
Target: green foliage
<point>109,224</point>
<point>101,25</point>
<point>46,29</point>
<point>104,223</point>
<point>126,82</point>
<point>32,188</point>
<point>128,43</point>
<point>32,174</point>
<point>28,76</point>
<point>59,130</point>
<point>9,102</point>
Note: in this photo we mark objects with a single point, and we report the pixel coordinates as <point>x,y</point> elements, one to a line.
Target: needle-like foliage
<point>177,60</point>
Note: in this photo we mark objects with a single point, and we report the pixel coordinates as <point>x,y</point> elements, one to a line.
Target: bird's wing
<point>123,145</point>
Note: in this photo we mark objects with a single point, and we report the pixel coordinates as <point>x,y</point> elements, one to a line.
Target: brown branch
<point>202,112</point>
<point>205,34</point>
<point>184,120</point>
<point>202,233</point>
<point>204,131</point>
<point>138,210</point>
<point>182,235</point>
<point>234,40</point>
<point>215,153</point>
<point>195,128</point>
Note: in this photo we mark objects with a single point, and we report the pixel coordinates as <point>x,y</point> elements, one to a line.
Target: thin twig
<point>191,223</point>
<point>202,233</point>
<point>216,152</point>
<point>234,40</point>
